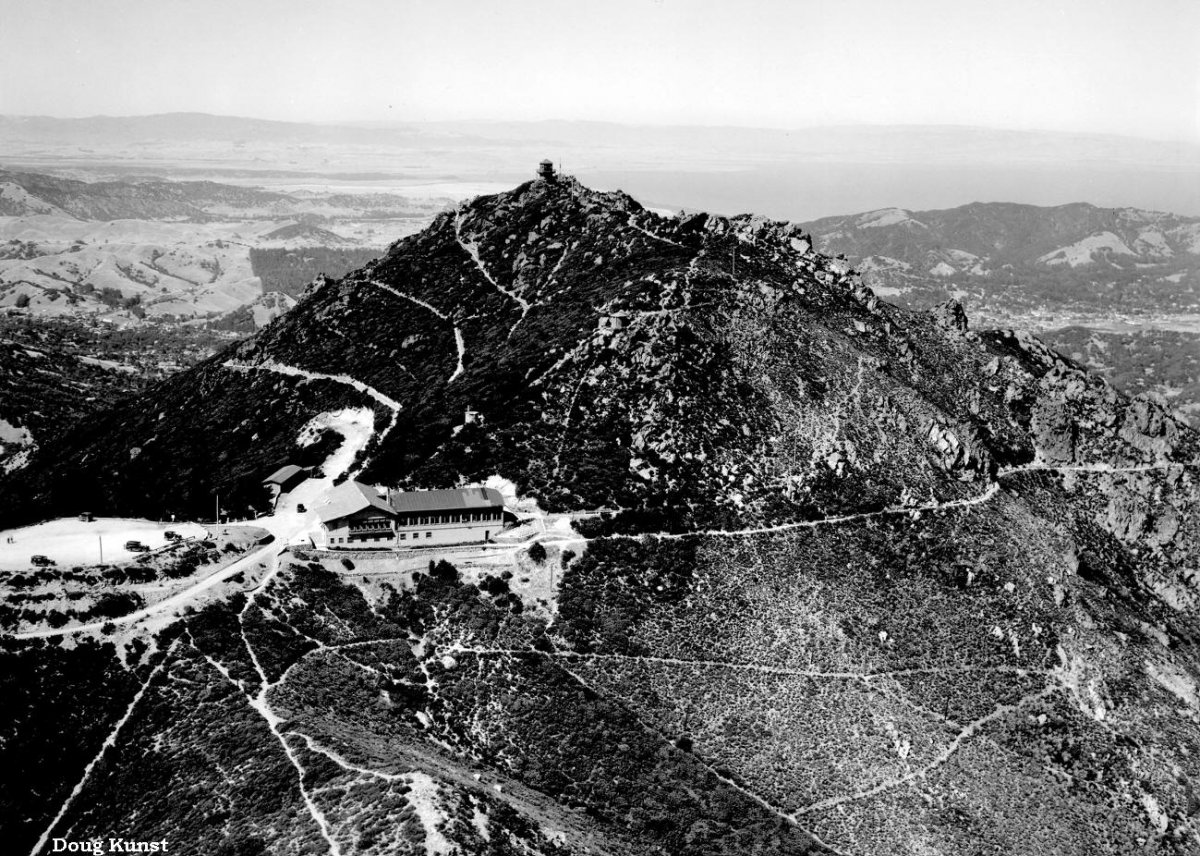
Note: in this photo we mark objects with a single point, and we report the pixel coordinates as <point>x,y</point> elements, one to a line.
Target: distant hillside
<point>255,315</point>
<point>123,200</point>
<point>289,271</point>
<point>24,193</point>
<point>306,234</point>
<point>174,251</point>
<point>795,173</point>
<point>53,373</point>
<point>43,390</point>
<point>1005,260</point>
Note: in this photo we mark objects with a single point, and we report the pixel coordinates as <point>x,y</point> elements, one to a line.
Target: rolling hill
<point>174,251</point>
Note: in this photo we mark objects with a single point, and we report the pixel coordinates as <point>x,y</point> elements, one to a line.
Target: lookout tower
<point>546,170</point>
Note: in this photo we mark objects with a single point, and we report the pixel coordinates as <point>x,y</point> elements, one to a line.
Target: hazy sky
<point>1129,67</point>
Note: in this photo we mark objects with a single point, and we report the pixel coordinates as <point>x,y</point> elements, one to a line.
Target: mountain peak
<point>712,370</point>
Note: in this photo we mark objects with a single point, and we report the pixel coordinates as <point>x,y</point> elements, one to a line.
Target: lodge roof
<point>404,502</point>
<point>349,497</point>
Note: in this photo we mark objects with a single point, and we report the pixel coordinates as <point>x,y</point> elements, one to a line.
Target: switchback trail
<point>968,731</point>
<point>992,489</point>
<point>718,774</point>
<point>988,494</point>
<point>1094,468</point>
<point>305,374</point>
<point>458,336</point>
<point>751,667</point>
<point>472,249</point>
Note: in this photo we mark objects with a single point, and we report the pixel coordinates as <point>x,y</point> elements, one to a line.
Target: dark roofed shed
<point>286,477</point>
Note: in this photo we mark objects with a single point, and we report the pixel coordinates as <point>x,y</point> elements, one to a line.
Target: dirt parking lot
<point>69,541</point>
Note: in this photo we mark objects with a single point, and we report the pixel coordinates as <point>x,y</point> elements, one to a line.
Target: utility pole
<point>101,540</point>
<point>217,518</point>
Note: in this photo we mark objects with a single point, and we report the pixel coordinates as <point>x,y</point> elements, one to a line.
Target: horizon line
<point>385,123</point>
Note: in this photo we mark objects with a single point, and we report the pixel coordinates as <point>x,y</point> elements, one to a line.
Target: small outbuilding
<point>286,477</point>
<point>546,170</point>
<point>612,322</point>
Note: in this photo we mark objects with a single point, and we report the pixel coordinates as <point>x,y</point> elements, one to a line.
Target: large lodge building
<point>356,516</point>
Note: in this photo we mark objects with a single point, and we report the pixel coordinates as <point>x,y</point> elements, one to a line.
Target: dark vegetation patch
<point>224,443</point>
<point>215,630</point>
<point>289,271</point>
<point>56,708</point>
<point>196,764</point>
<point>615,583</point>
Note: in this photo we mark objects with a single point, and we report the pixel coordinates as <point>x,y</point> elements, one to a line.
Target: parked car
<point>300,507</point>
<point>41,561</point>
<point>136,547</point>
<point>172,536</point>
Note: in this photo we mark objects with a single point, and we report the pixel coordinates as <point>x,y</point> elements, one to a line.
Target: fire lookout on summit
<point>546,170</point>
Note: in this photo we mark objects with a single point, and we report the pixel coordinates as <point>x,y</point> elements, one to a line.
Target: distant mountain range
<point>1006,260</point>
<point>793,174</point>
<point>890,143</point>
<point>24,194</point>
